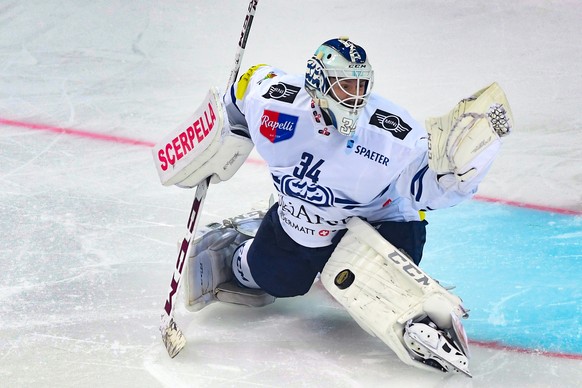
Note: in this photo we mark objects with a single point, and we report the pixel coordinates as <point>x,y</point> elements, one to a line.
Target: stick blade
<point>173,338</point>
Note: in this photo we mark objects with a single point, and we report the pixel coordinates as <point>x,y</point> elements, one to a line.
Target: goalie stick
<point>173,338</point>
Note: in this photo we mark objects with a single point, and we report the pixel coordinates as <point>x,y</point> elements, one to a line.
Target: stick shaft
<point>172,336</point>
<point>242,42</point>
<point>193,219</point>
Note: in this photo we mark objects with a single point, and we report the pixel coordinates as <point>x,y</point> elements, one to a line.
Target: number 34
<point>307,168</point>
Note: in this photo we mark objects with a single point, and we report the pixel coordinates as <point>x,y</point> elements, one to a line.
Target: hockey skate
<point>443,349</point>
<point>209,276</point>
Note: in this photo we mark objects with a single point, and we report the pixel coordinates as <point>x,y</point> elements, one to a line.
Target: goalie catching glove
<point>202,146</point>
<point>466,140</point>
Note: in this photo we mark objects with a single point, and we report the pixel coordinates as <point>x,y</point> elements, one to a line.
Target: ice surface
<point>89,235</point>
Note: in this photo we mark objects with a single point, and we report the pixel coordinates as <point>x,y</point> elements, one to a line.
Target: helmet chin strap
<point>322,103</point>
<point>330,119</point>
<point>326,117</point>
<point>324,108</point>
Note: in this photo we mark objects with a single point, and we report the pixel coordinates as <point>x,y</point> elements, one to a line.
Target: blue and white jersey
<point>324,178</point>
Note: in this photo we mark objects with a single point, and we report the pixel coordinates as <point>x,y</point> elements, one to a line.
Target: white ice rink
<point>88,234</point>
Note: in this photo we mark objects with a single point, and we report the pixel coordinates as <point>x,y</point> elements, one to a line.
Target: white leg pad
<point>209,273</point>
<point>381,288</point>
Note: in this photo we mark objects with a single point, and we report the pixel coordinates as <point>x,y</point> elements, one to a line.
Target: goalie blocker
<point>204,145</point>
<point>393,299</point>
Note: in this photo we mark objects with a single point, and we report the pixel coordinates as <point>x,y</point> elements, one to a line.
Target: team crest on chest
<point>277,126</point>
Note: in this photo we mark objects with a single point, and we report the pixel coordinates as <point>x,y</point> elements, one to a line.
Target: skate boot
<point>444,349</point>
<point>209,272</point>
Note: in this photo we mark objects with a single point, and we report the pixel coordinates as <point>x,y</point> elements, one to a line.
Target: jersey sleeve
<point>237,96</point>
<point>423,189</point>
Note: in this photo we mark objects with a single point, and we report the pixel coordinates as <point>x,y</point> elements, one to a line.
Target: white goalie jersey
<point>324,178</point>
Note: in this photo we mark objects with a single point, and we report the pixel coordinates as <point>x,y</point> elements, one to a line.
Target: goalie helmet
<point>339,78</point>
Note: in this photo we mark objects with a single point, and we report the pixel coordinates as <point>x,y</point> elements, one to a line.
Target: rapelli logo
<point>282,92</point>
<point>391,123</point>
<point>276,126</point>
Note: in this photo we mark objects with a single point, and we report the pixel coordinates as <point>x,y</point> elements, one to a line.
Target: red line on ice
<point>125,140</point>
<point>75,132</point>
<point>499,346</point>
<point>550,209</point>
